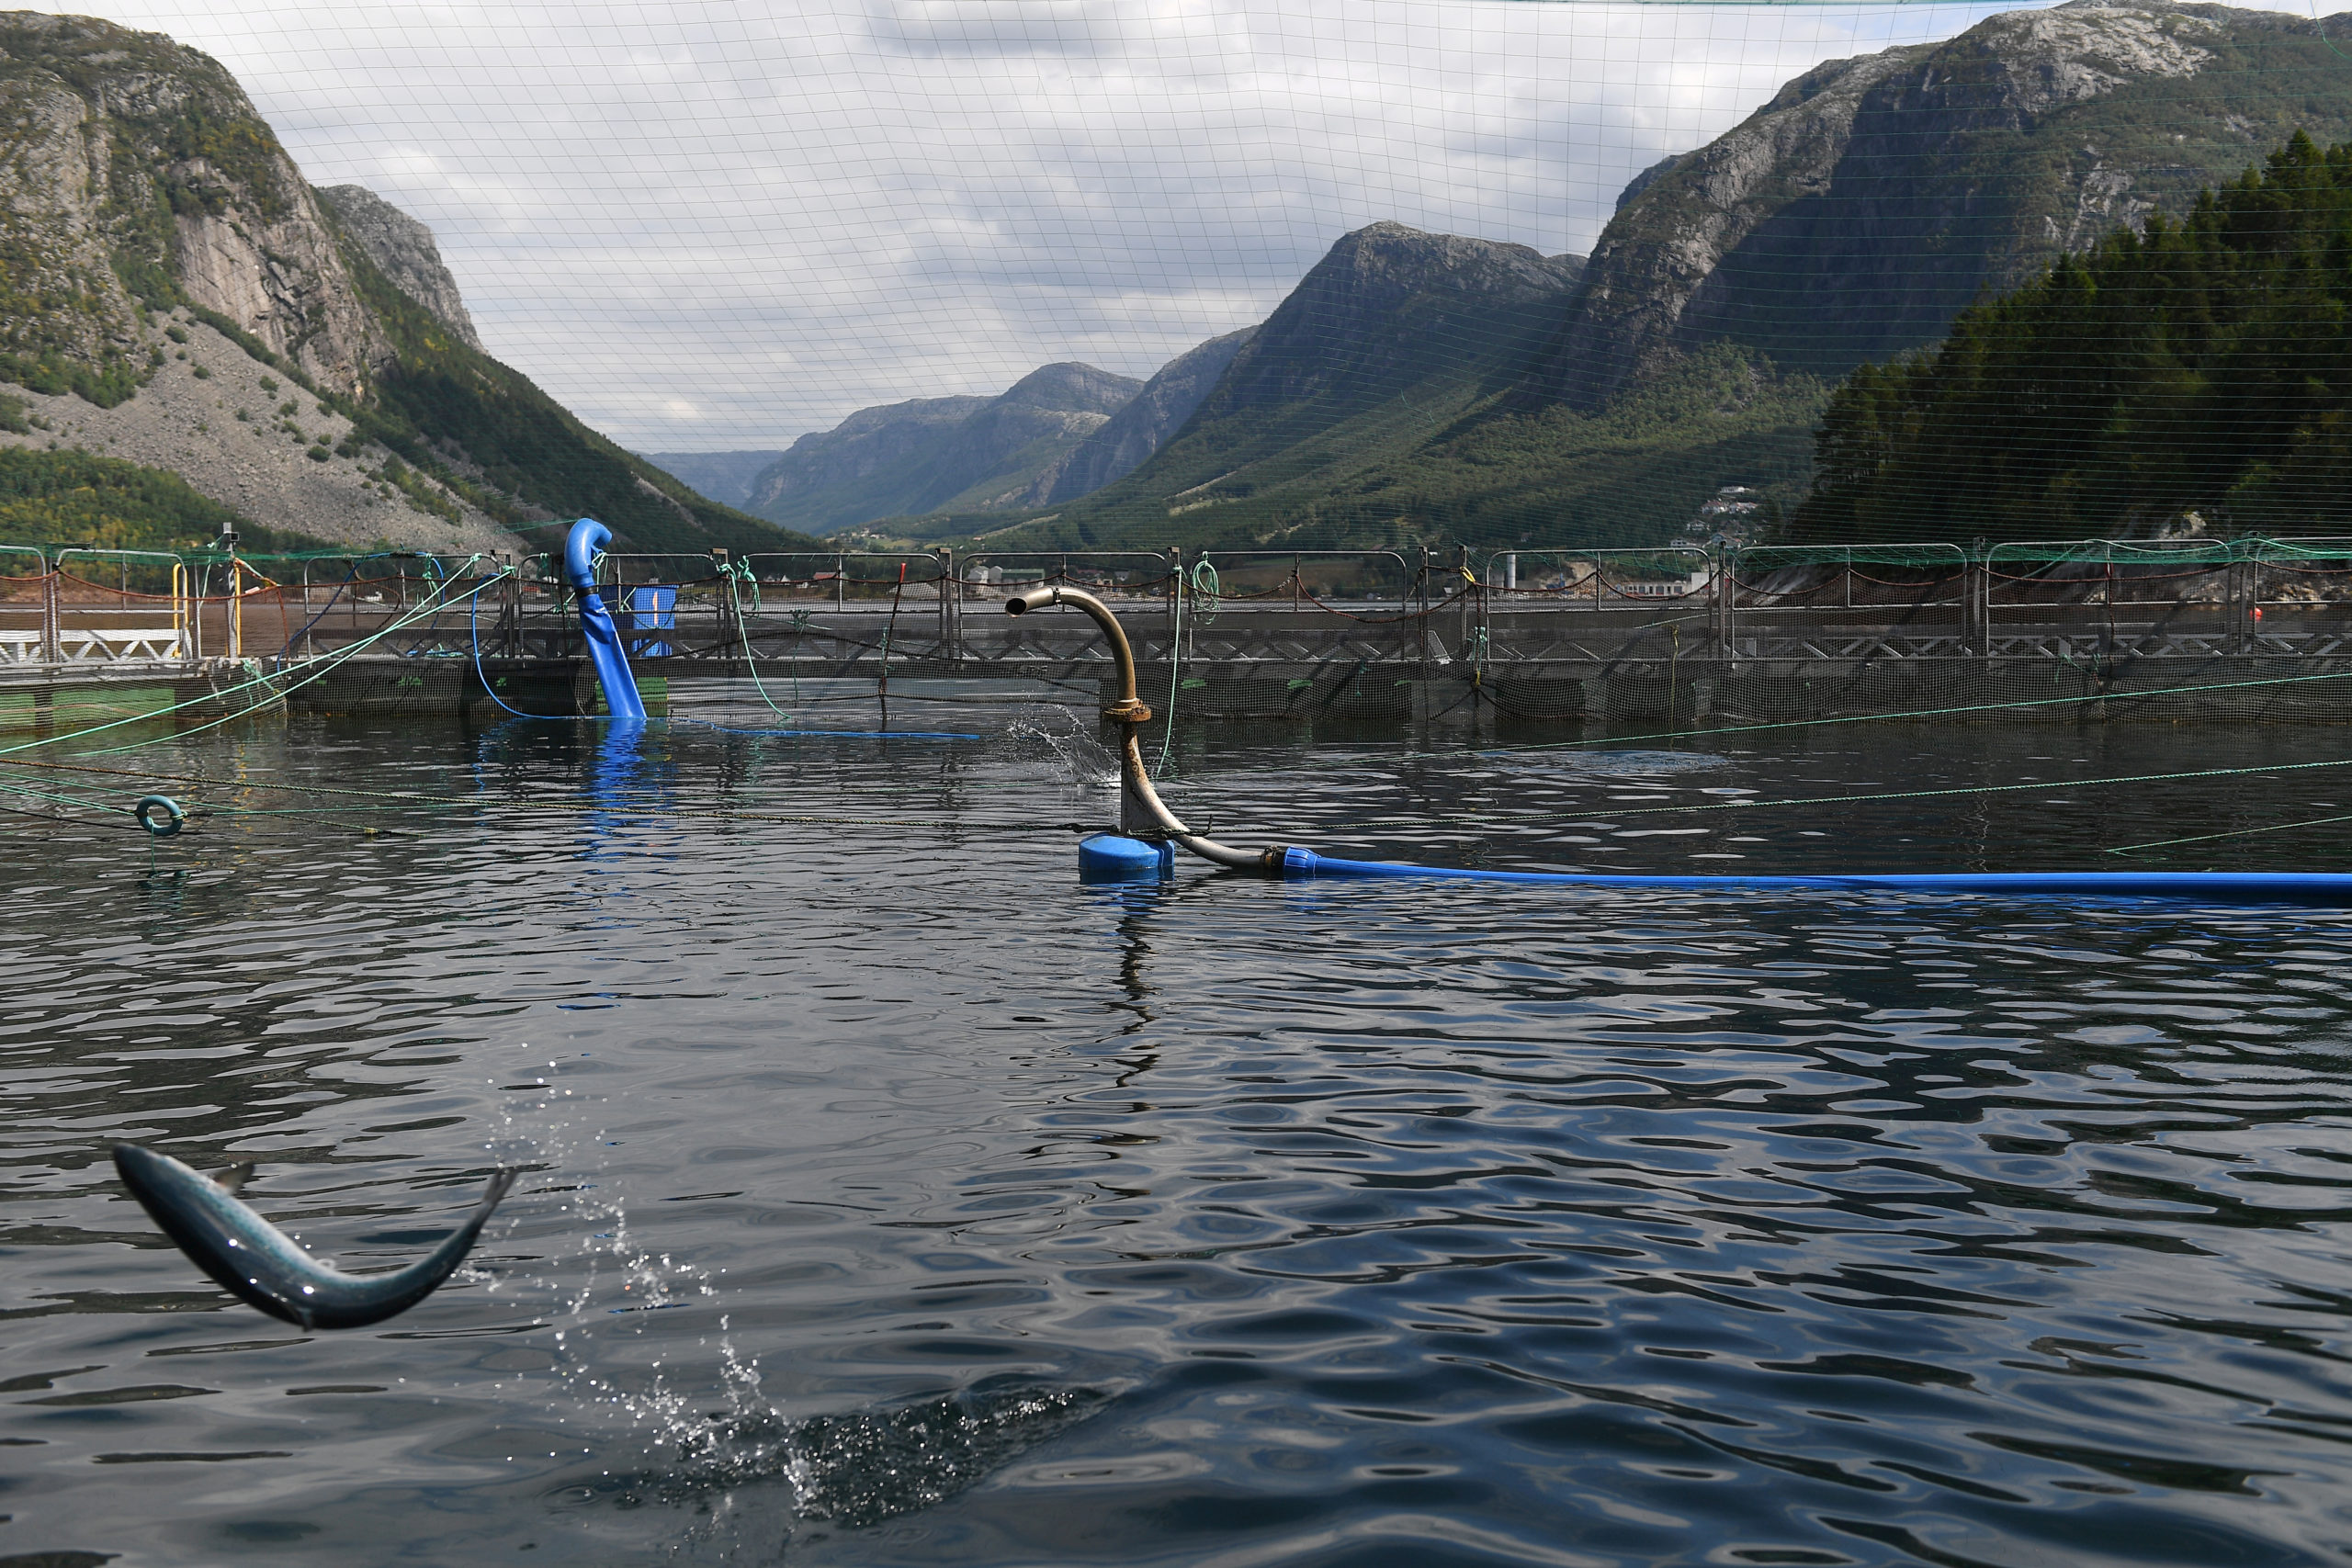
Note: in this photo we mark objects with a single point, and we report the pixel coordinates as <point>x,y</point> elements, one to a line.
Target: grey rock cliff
<point>152,227</point>
<point>403,251</point>
<point>139,166</point>
<point>1872,199</point>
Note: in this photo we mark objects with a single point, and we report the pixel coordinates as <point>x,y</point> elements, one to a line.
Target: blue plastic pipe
<point>579,548</point>
<point>2321,887</point>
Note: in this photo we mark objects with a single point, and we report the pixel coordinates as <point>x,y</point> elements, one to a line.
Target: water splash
<point>1081,759</point>
<point>867,1466</point>
<point>860,1467</point>
<point>850,1469</point>
<point>550,1132</point>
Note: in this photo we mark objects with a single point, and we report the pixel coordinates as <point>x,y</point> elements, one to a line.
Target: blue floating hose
<point>2310,887</point>
<point>833,734</point>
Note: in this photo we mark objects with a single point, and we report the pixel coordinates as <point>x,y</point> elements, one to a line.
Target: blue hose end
<point>1298,865</point>
<point>1109,857</point>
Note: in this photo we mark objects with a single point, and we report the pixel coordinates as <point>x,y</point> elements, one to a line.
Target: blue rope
<point>473,628</point>
<point>330,604</point>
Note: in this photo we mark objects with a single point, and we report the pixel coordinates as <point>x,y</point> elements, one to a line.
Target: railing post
<point>946,580</point>
<point>236,601</point>
<point>1720,566</point>
<point>722,607</point>
<point>1461,615</point>
<point>51,594</point>
<point>1175,603</point>
<point>2242,593</point>
<point>510,615</point>
<point>956,608</point>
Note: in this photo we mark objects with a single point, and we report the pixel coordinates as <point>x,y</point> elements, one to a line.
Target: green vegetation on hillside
<point>2203,367</point>
<point>73,497</point>
<point>1633,474</point>
<point>493,435</point>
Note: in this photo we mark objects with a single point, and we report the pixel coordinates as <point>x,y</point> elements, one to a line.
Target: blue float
<point>1112,857</point>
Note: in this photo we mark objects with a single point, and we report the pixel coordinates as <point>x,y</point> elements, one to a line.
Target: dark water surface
<point>896,1200</point>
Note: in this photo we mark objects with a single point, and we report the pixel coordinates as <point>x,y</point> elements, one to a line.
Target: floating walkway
<point>2193,631</point>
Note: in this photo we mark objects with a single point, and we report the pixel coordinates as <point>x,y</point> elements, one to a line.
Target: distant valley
<point>1060,432</point>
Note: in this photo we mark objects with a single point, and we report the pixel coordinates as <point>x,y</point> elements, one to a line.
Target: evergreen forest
<point>2196,375</point>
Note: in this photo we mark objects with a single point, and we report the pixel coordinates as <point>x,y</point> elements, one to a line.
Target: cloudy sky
<point>708,225</point>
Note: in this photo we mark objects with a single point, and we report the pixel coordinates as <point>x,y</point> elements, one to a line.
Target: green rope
<point>401,801</point>
<point>82,802</point>
<point>323,663</point>
<point>1904,713</point>
<point>2233,833</point>
<point>743,632</point>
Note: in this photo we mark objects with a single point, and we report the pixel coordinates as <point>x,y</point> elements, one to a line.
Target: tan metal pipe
<point>1141,811</point>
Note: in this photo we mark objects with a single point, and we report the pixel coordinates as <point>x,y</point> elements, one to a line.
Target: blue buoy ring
<point>159,814</point>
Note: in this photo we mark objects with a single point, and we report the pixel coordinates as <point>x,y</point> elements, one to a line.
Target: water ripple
<point>893,1199</point>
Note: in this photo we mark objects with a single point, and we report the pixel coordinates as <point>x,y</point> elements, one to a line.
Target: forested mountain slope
<point>2197,374</point>
<point>1389,339</point>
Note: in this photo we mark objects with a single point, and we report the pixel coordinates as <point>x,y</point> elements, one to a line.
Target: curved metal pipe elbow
<point>1140,806</point>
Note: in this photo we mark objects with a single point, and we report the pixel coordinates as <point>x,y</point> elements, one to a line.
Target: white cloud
<point>717,224</point>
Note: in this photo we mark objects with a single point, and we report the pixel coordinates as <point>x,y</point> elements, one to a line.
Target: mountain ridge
<point>189,302</point>
<point>1393,337</point>
<point>940,454</point>
<point>1854,214</point>
<point>1870,199</point>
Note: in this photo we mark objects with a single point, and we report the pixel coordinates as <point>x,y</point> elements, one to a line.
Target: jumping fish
<point>261,1266</point>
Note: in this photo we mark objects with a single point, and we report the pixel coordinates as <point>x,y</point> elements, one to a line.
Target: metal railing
<point>935,610</point>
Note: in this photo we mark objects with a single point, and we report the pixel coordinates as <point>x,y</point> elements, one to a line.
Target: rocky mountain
<point>1393,336</point>
<point>1871,200</point>
<point>1145,424</point>
<point>1849,218</point>
<point>725,477</point>
<point>941,455</point>
<point>175,297</point>
<point>403,251</point>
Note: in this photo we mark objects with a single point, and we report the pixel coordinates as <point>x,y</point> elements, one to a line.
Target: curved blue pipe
<point>605,648</point>
<point>579,548</point>
<point>2321,887</point>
